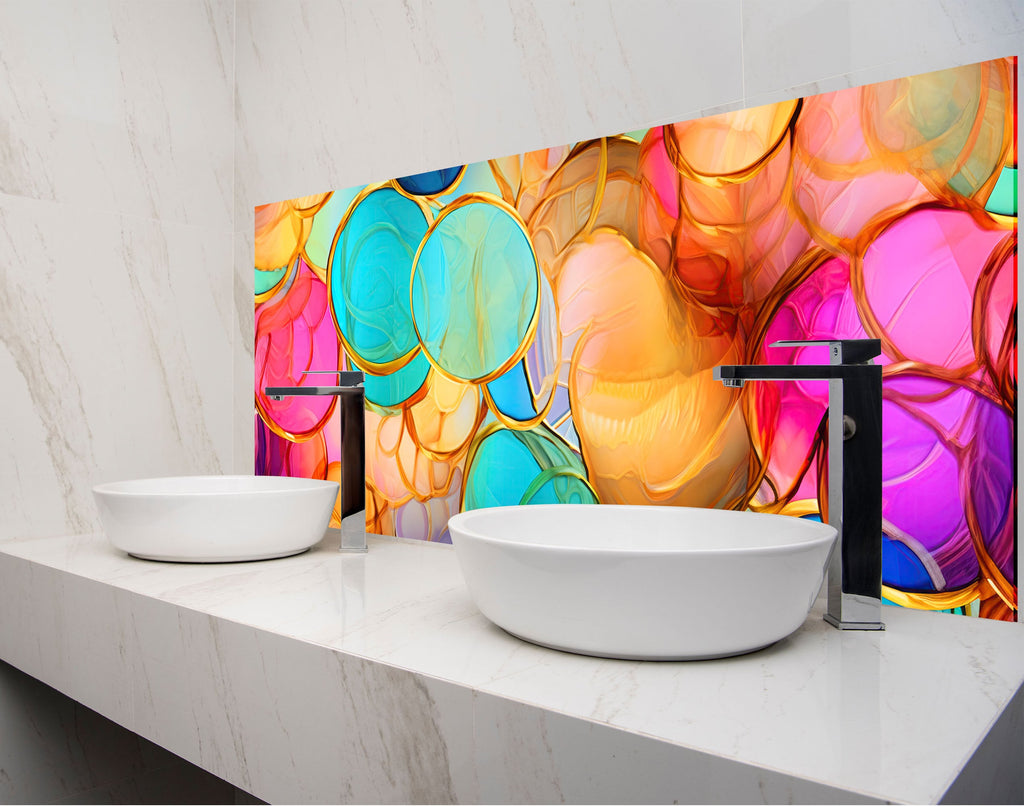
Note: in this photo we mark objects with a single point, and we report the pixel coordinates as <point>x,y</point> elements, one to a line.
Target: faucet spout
<point>738,374</point>
<point>854,470</point>
<point>349,383</point>
<point>349,392</point>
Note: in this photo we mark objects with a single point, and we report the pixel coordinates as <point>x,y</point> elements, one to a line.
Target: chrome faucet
<point>854,470</point>
<point>350,397</point>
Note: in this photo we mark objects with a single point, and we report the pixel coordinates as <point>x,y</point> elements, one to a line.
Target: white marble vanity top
<point>326,677</point>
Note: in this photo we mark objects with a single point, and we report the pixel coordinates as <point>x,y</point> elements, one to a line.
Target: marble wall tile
<point>116,157</point>
<point>347,92</point>
<point>809,46</point>
<point>119,106</point>
<point>968,54</point>
<point>243,353</point>
<point>373,91</point>
<point>502,78</point>
<point>378,90</point>
<point>116,336</point>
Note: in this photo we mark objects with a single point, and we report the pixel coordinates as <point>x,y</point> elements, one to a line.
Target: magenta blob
<point>278,456</point>
<point>820,308</point>
<point>295,332</point>
<point>989,482</point>
<point>919,277</point>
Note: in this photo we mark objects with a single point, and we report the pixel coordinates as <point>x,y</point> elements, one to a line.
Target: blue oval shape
<point>430,183</point>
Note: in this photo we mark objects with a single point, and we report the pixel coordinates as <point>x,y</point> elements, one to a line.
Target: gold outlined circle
<point>373,367</point>
<point>527,339</point>
<point>547,433</point>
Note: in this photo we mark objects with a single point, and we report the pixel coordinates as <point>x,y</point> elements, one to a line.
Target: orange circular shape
<point>730,144</point>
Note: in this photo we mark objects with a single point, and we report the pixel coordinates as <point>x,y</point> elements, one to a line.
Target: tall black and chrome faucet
<point>854,470</point>
<point>349,392</point>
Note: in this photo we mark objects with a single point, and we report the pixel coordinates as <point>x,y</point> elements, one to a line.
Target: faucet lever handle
<point>841,351</point>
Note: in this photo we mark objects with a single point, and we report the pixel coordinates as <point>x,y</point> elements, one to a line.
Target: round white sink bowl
<point>649,583</point>
<point>211,519</point>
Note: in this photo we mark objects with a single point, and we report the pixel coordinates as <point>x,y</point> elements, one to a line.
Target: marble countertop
<point>329,678</point>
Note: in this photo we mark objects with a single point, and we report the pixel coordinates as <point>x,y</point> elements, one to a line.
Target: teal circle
<point>370,266</point>
<point>475,289</point>
<point>533,466</point>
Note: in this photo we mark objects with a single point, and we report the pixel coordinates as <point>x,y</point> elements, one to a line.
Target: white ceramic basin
<point>651,583</point>
<point>210,519</point>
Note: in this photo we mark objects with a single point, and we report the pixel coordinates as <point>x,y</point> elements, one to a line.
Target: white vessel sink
<point>209,519</point>
<point>651,583</point>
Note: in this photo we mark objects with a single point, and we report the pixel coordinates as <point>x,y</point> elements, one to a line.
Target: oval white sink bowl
<point>211,519</point>
<point>649,583</point>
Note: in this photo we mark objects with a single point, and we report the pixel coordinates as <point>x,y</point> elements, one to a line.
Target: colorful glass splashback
<point>543,327</point>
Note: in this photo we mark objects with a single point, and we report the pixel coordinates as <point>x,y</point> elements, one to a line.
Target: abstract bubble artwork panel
<point>542,328</point>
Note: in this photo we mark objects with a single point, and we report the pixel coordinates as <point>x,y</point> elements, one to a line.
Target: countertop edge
<point>240,700</point>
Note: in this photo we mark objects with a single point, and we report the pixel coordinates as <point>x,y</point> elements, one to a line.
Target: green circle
<point>369,276</point>
<point>475,287</point>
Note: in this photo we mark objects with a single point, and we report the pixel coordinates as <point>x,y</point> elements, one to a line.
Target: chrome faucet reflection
<point>350,398</point>
<point>854,470</point>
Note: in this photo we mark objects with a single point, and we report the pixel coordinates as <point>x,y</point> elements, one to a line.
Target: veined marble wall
<point>116,317</point>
